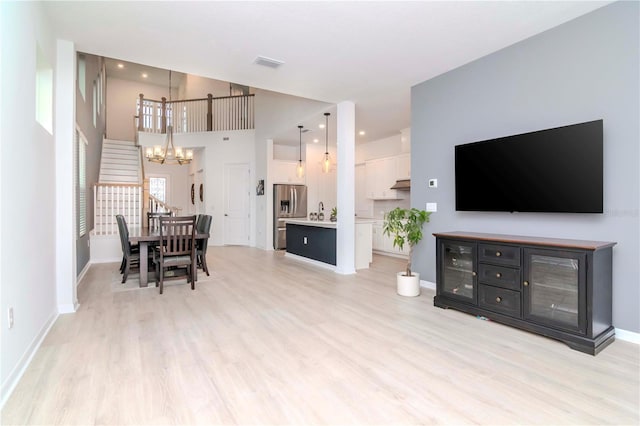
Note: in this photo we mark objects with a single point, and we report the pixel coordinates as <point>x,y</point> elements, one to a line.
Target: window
<point>95,103</point>
<point>81,183</point>
<point>158,188</point>
<point>82,73</point>
<point>44,91</point>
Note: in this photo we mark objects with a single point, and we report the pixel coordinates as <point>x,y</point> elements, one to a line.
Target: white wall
<point>121,104</point>
<point>178,183</point>
<point>387,147</point>
<point>196,87</point>
<point>23,277</point>
<point>239,148</point>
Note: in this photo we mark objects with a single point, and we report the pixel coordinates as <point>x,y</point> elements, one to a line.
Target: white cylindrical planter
<point>408,286</point>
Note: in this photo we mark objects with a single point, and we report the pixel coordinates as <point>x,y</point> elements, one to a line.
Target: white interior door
<point>236,204</point>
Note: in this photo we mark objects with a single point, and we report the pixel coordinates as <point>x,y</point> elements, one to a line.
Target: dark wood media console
<point>553,287</point>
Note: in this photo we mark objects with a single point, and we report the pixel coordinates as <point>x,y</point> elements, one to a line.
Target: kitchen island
<point>316,241</point>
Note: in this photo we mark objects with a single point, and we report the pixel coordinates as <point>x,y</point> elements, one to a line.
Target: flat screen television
<point>555,170</point>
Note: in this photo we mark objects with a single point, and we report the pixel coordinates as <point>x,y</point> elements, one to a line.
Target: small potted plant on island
<point>334,214</point>
<point>405,225</point>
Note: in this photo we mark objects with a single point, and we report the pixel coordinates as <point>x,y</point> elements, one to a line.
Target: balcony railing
<point>196,115</point>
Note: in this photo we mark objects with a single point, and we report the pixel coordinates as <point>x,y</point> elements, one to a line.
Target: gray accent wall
<point>585,69</point>
<point>94,135</point>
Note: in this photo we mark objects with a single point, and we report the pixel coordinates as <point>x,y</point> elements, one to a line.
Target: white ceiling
<point>367,52</point>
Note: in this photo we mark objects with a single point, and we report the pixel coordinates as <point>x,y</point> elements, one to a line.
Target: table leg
<point>144,267</point>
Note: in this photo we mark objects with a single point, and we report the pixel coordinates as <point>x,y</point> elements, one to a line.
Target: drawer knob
<point>498,275</point>
<point>498,299</point>
<point>498,254</point>
<point>526,283</point>
<point>473,273</point>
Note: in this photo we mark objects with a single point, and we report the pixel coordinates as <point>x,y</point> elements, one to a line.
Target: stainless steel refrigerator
<point>288,201</point>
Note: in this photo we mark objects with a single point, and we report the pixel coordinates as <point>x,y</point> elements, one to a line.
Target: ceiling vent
<point>268,62</point>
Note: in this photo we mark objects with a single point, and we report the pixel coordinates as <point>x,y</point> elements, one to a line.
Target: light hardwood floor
<point>269,340</point>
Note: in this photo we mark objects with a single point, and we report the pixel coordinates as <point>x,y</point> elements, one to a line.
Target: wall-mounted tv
<point>555,170</point>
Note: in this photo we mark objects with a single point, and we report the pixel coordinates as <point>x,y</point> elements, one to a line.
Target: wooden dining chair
<point>130,255</point>
<point>203,227</point>
<point>176,250</point>
<point>153,219</point>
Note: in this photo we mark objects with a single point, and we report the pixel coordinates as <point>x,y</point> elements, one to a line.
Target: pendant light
<point>170,154</point>
<point>326,160</point>
<point>300,168</point>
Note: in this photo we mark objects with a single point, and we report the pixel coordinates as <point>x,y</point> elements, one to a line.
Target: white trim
<point>107,260</point>
<point>310,261</point>
<point>14,377</point>
<point>428,284</point>
<point>628,336</point>
<point>68,308</point>
<point>82,273</point>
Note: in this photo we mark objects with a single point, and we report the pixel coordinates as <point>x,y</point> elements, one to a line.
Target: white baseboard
<point>68,308</point>
<point>427,284</point>
<point>82,273</point>
<point>628,336</point>
<point>310,261</point>
<point>14,377</point>
<point>107,260</point>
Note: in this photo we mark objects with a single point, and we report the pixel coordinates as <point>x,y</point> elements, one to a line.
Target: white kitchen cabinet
<point>364,241</point>
<point>381,176</point>
<point>285,172</point>
<point>363,204</point>
<point>383,244</point>
<point>378,239</point>
<point>403,166</point>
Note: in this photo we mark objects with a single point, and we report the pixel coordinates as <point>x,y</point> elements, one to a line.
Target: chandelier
<point>170,154</point>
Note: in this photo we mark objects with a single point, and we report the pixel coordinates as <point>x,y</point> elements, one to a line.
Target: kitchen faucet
<point>320,207</point>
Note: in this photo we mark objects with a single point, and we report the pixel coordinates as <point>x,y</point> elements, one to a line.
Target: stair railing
<point>110,199</point>
<point>157,205</point>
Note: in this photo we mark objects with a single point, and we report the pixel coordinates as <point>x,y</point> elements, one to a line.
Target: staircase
<point>118,191</point>
<point>120,163</point>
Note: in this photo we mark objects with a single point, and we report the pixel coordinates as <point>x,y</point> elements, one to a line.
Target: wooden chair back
<point>153,219</point>
<point>177,234</point>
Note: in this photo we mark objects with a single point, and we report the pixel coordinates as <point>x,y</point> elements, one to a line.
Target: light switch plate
<point>432,207</point>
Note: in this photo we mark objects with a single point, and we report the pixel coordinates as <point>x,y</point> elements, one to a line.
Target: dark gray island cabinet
<point>554,287</point>
<point>316,241</point>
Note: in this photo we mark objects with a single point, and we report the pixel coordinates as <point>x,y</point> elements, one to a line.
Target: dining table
<point>144,237</point>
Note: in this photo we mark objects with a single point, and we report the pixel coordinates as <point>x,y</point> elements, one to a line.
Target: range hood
<point>402,185</point>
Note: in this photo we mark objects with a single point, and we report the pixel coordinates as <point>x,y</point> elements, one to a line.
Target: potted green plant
<point>334,214</point>
<point>405,226</point>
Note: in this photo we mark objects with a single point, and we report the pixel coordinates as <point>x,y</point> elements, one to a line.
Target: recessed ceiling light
<point>361,133</point>
<point>321,126</point>
<point>316,141</point>
<point>120,66</point>
<point>145,75</point>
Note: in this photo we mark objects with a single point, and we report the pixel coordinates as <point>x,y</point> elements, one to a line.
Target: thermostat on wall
<point>433,183</point>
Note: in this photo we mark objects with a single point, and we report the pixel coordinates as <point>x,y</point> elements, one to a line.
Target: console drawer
<point>499,276</point>
<point>499,254</point>
<point>499,300</point>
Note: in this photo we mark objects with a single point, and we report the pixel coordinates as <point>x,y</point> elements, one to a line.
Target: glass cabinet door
<point>457,274</point>
<point>554,289</point>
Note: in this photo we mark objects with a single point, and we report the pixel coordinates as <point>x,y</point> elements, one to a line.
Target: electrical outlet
<point>432,207</point>
<point>10,317</point>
